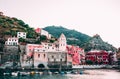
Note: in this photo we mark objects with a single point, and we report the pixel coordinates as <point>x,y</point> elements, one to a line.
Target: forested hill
<point>73,37</point>
<point>77,38</point>
<point>11,25</point>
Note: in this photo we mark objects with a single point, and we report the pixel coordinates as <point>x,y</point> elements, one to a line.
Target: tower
<point>62,42</point>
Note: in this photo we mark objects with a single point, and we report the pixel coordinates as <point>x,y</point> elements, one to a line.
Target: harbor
<point>86,74</point>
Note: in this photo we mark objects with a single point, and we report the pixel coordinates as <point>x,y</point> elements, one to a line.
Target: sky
<point>87,16</point>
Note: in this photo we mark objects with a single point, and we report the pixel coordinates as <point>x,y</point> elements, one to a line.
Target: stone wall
<point>11,53</point>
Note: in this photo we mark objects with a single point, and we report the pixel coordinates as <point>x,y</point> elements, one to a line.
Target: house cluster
<point>55,54</point>
<point>101,57</point>
<point>52,54</point>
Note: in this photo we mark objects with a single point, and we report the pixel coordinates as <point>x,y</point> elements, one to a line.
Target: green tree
<point>89,62</point>
<point>43,38</point>
<point>21,40</point>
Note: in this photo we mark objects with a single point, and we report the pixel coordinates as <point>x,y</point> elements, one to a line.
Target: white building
<point>12,41</point>
<point>21,35</point>
<point>43,32</point>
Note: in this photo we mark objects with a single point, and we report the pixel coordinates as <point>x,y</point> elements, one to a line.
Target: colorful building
<point>97,57</point>
<point>48,53</point>
<point>77,54</point>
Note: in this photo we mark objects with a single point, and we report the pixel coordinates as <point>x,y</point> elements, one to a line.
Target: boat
<point>15,73</point>
<point>24,73</point>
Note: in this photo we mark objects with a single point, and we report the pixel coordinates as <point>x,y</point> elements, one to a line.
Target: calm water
<point>89,74</point>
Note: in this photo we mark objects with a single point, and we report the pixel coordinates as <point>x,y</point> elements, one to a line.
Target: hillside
<point>73,37</point>
<point>11,25</point>
<point>96,42</point>
<point>80,39</point>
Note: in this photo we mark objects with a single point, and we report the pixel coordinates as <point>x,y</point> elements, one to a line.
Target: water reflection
<point>88,74</point>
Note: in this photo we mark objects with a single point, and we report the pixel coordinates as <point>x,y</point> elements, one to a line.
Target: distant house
<point>43,32</point>
<point>12,41</point>
<point>21,35</point>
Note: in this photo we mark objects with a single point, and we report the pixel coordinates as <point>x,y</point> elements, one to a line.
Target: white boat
<point>15,73</point>
<point>24,73</point>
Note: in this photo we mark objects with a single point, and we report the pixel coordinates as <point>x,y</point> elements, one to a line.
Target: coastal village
<point>59,39</point>
<point>51,55</point>
<point>26,51</point>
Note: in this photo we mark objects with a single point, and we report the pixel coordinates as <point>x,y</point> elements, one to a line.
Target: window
<point>48,59</point>
<point>38,55</point>
<point>44,55</point>
<point>52,56</point>
<point>60,59</point>
<point>54,59</point>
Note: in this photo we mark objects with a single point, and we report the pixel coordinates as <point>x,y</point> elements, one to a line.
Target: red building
<point>98,57</point>
<point>38,30</point>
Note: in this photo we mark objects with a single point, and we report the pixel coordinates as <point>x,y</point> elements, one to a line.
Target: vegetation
<point>74,37</point>
<point>11,25</point>
<point>80,39</point>
<point>98,44</point>
<point>89,62</point>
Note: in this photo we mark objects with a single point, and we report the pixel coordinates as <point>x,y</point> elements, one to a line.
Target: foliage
<point>98,44</point>
<point>21,40</point>
<point>89,62</point>
<point>52,41</point>
<point>10,26</point>
<point>69,34</point>
<point>43,38</point>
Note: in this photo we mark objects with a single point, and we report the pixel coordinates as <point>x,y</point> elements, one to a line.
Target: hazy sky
<point>87,16</point>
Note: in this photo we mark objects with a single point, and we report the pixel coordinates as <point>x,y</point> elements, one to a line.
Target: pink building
<point>77,54</point>
<point>30,48</point>
<point>40,57</point>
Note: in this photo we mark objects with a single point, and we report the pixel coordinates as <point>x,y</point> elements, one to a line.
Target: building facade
<point>40,57</point>
<point>62,42</point>
<point>43,32</point>
<point>97,57</point>
<point>51,54</point>
<point>12,41</point>
<point>77,54</point>
<point>21,35</point>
